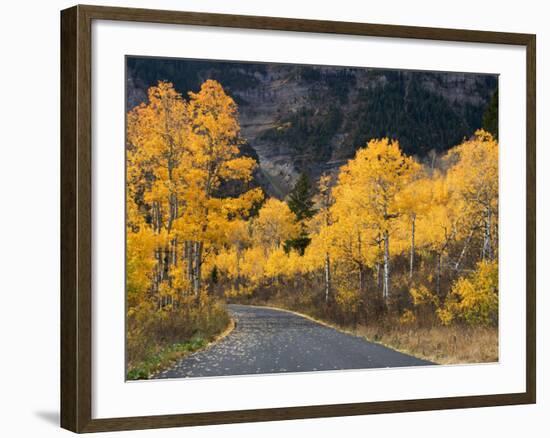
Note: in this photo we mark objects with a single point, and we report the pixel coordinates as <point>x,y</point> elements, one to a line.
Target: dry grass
<point>155,339</point>
<point>166,357</point>
<point>442,345</point>
<point>456,344</point>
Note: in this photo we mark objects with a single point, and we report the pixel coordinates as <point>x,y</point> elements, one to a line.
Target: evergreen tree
<point>490,117</point>
<point>301,204</point>
<point>300,199</point>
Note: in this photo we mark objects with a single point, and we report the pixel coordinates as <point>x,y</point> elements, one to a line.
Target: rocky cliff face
<point>312,118</point>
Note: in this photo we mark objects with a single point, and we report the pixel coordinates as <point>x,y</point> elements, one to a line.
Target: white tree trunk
<point>360,263</point>
<point>411,267</point>
<point>386,289</point>
<point>464,249</point>
<point>188,254</point>
<point>487,247</point>
<point>327,278</point>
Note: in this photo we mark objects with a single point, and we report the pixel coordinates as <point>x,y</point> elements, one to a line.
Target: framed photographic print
<point>268,218</point>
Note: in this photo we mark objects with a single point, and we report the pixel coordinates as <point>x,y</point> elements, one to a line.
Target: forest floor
<point>443,345</point>
<point>167,356</point>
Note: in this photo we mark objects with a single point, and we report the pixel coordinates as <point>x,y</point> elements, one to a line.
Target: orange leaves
<point>238,207</point>
<point>239,168</point>
<point>178,154</point>
<point>215,134</point>
<point>156,132</point>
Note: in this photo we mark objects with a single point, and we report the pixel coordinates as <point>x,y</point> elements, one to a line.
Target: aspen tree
<point>475,179</point>
<point>376,176</point>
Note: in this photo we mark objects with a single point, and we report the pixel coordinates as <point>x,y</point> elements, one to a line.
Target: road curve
<point>267,340</point>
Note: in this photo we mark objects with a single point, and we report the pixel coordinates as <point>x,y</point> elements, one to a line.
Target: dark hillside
<point>313,118</point>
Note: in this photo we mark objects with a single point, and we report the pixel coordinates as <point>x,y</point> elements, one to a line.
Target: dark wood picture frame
<point>76,218</point>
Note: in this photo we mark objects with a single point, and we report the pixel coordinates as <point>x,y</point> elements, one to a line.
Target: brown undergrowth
<point>156,340</point>
<point>445,345</point>
<point>439,344</point>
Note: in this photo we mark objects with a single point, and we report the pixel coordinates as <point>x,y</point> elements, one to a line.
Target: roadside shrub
<point>408,318</point>
<point>474,299</point>
<point>421,296</point>
<point>425,302</point>
<point>348,302</point>
<point>150,329</point>
<point>239,291</point>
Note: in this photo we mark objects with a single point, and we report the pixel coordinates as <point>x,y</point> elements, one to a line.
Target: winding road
<point>267,340</point>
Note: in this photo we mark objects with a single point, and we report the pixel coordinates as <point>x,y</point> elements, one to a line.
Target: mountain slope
<point>313,118</point>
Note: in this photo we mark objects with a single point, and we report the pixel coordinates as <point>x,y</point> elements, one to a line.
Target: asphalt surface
<point>266,341</point>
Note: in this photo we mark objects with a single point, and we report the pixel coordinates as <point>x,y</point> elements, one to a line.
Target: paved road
<point>273,341</point>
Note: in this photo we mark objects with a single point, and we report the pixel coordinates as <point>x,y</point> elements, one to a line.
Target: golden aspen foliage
<point>157,135</point>
<point>474,178</point>
<point>375,177</point>
<point>276,263</point>
<point>179,153</point>
<point>415,201</point>
<point>437,225</point>
<point>353,239</point>
<point>213,146</point>
<point>348,301</point>
<point>474,299</point>
<point>387,234</point>
<point>422,296</point>
<point>320,226</point>
<point>140,247</point>
<point>368,189</point>
<point>253,264</point>
<point>275,224</point>
<point>407,318</point>
<point>475,169</point>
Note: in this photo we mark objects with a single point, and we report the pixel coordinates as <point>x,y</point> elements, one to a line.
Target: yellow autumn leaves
<point>386,209</point>
<point>388,231</point>
<point>179,152</point>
